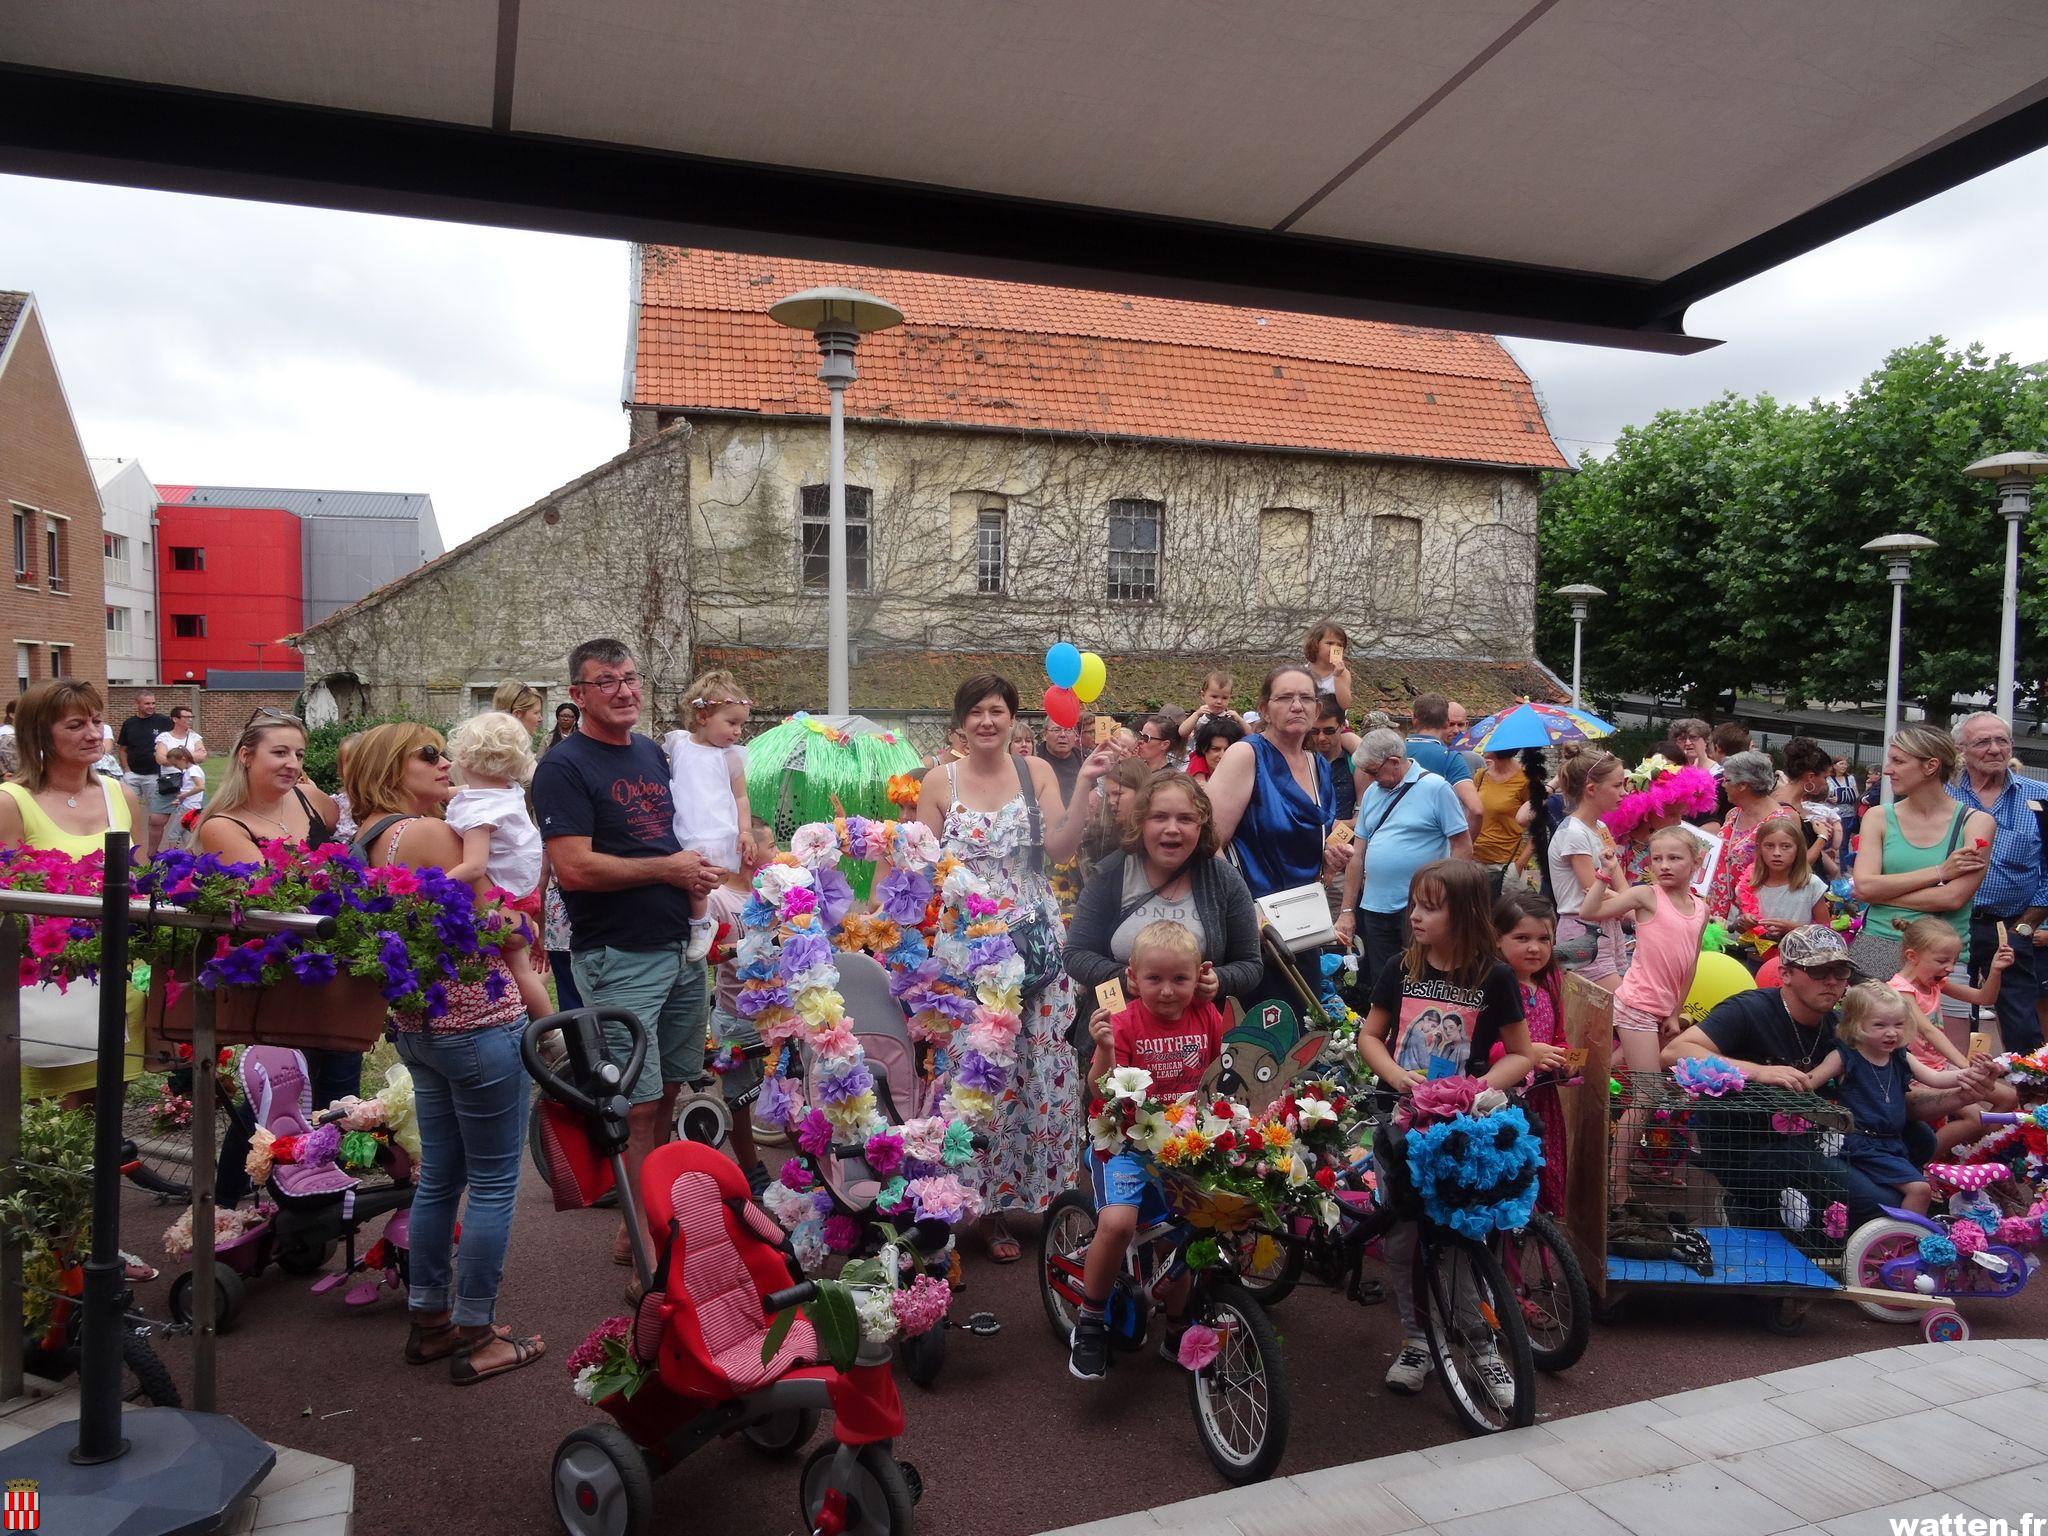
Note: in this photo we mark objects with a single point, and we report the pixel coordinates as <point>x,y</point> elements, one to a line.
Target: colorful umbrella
<point>1532,725</point>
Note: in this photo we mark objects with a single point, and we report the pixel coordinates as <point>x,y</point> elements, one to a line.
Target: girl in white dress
<point>707,779</point>
<point>501,847</point>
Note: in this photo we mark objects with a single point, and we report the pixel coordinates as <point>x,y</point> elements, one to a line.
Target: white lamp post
<point>838,317</point>
<point>1897,551</point>
<point>1581,595</point>
<point>2015,474</point>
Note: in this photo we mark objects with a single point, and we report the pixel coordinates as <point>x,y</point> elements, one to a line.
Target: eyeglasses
<point>608,684</point>
<point>1324,730</point>
<point>1279,699</point>
<point>431,755</point>
<point>1835,972</point>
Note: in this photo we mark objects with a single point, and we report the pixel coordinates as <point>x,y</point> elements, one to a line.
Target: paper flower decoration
<point>1199,1347</point>
<point>1707,1077</point>
<point>1937,1250</point>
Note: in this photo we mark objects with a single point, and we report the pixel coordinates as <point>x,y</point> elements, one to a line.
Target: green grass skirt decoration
<point>796,770</point>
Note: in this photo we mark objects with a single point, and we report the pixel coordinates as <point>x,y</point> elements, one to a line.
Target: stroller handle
<point>586,1024</point>
<point>793,1296</point>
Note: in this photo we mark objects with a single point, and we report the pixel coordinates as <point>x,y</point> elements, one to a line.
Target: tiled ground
<point>1840,1447</point>
<point>304,1495</point>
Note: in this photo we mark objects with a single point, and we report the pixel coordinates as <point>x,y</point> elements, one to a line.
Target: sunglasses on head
<point>270,715</point>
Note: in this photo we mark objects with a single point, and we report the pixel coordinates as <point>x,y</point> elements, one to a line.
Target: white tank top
<point>700,783</point>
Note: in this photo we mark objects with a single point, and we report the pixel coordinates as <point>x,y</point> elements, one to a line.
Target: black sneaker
<point>1169,1342</point>
<point>758,1179</point>
<point>1088,1349</point>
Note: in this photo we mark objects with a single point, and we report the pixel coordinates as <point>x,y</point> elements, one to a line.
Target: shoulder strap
<point>1392,805</point>
<point>366,838</point>
<point>1955,828</point>
<point>1029,791</point>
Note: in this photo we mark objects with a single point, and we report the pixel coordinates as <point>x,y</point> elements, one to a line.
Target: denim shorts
<point>667,992</point>
<point>1127,1179</point>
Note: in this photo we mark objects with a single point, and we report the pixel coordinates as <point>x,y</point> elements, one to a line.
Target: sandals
<point>136,1271</point>
<point>417,1353</point>
<point>1003,1247</point>
<point>524,1352</point>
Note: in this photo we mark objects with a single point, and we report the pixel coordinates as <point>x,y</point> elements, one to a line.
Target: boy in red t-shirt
<point>1173,1031</point>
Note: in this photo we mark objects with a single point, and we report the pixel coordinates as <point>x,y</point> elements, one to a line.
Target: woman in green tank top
<point>1927,854</point>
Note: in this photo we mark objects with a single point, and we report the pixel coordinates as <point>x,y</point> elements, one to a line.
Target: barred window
<point>1134,551</point>
<point>989,551</point>
<point>816,525</point>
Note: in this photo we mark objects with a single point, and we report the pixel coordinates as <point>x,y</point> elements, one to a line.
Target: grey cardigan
<point>1230,929</point>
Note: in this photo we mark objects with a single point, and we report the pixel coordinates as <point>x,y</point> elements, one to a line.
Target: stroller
<point>721,1276</point>
<point>318,1204</point>
<point>903,1093</point>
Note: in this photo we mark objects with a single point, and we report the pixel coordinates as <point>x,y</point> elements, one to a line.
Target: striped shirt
<point>2016,878</point>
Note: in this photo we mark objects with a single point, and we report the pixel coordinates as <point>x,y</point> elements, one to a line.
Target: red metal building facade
<point>231,582</point>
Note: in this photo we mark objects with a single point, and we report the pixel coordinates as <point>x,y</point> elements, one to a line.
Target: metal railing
<point>106,1287</point>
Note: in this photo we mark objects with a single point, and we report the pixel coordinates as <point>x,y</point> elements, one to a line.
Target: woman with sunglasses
<point>264,797</point>
<point>467,1081</point>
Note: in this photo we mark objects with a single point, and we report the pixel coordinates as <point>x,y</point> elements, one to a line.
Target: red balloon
<point>1767,973</point>
<point>1062,707</point>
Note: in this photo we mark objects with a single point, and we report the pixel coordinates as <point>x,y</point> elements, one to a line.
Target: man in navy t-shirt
<point>602,799</point>
<point>1430,747</point>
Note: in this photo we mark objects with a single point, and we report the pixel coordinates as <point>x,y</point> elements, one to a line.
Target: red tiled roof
<point>1032,358</point>
<point>12,303</point>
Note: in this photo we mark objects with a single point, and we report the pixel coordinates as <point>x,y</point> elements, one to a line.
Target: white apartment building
<point>128,503</point>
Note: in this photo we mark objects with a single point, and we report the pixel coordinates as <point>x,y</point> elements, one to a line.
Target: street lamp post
<point>1581,595</point>
<point>838,318</point>
<point>2015,474</point>
<point>1897,551</point>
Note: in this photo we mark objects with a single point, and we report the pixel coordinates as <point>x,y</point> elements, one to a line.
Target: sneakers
<point>1088,1349</point>
<point>758,1179</point>
<point>1410,1369</point>
<point>702,931</point>
<point>1495,1376</point>
<point>1169,1341</point>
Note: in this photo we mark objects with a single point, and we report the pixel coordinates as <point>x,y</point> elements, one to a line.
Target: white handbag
<point>1299,918</point>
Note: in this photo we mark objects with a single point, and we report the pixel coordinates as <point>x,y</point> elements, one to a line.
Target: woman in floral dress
<point>980,810</point>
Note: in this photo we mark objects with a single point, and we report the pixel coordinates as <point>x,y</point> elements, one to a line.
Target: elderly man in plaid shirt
<point>2015,888</point>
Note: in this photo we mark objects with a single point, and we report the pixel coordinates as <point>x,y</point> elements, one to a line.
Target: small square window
<point>188,626</point>
<point>187,558</point>
<point>816,528</point>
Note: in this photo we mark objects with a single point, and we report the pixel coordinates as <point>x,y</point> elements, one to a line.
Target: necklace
<point>1807,1054</point>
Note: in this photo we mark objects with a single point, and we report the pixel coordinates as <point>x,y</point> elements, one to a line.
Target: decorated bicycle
<point>901,1025</point>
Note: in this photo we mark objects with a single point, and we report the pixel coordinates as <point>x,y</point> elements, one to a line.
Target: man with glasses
<point>603,802</point>
<point>2015,888</point>
<point>1777,1036</point>
<point>1336,744</point>
<point>142,773</point>
<point>1061,748</point>
<point>1429,745</point>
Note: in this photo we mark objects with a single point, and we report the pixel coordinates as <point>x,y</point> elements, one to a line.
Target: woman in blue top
<point>1273,797</point>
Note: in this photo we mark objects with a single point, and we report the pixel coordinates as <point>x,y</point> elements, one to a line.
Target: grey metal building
<point>352,542</point>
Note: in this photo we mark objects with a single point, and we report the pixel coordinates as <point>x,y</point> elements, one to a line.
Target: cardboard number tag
<point>1105,730</point>
<point>1980,1044</point>
<point>1109,996</point>
<point>1341,834</point>
<point>1336,655</point>
<point>1575,1058</point>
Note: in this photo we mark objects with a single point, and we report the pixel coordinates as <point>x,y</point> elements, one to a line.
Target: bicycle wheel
<point>1477,1338</point>
<point>1557,1305</point>
<point>1240,1398</point>
<point>878,1499</point>
<point>152,1158</point>
<point>1267,1265</point>
<point>1062,1247</point>
<point>153,1383</point>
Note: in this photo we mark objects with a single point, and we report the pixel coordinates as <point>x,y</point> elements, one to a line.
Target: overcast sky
<point>243,343</point>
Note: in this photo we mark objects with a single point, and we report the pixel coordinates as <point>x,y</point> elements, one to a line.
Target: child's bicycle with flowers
<point>1237,1371</point>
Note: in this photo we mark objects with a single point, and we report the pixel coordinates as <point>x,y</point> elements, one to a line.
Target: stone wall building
<point>1158,481</point>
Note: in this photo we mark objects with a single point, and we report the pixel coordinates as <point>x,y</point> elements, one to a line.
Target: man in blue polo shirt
<point>2015,888</point>
<point>1435,726</point>
<point>1407,817</point>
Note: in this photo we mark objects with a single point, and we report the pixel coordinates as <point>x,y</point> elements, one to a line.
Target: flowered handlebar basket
<point>1207,1208</point>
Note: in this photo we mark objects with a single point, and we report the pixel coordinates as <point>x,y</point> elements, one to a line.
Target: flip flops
<point>524,1352</point>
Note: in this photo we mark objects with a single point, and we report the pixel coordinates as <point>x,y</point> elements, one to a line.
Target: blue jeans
<point>333,1075</point>
<point>470,1092</point>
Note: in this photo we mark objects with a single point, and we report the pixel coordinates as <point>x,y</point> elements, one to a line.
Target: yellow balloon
<point>1094,675</point>
<point>1718,978</point>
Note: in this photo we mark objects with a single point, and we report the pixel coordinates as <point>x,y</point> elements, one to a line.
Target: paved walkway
<point>1843,1447</point>
<point>304,1495</point>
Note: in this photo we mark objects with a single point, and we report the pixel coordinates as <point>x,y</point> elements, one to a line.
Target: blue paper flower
<point>1937,1250</point>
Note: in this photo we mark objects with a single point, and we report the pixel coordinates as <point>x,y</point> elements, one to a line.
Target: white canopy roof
<point>1575,168</point>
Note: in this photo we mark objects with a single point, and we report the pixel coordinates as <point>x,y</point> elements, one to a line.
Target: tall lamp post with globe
<point>1581,595</point>
<point>838,318</point>
<point>1897,551</point>
<point>2015,474</point>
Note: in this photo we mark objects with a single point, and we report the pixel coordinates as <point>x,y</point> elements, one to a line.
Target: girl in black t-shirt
<point>1443,1005</point>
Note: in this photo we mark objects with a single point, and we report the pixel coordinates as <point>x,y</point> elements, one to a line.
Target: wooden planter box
<point>345,1014</point>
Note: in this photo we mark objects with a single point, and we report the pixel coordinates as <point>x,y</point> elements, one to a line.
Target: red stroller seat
<point>702,1322</point>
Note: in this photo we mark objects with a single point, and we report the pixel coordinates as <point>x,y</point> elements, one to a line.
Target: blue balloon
<point>1063,665</point>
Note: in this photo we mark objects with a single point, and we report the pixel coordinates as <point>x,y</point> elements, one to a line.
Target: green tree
<point>1730,538</point>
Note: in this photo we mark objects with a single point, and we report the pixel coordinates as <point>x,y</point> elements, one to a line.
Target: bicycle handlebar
<point>793,1296</point>
<point>560,1088</point>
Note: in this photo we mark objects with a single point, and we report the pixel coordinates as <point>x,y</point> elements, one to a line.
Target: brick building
<point>51,612</point>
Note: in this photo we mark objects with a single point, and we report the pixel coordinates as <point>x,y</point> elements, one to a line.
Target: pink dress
<point>1546,1028</point>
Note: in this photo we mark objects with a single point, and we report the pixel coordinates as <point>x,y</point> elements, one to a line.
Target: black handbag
<point>169,781</point>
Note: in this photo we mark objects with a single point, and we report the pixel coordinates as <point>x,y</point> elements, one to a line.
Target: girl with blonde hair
<point>500,844</point>
<point>707,769</point>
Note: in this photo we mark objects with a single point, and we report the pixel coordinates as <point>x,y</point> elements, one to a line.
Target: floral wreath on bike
<point>945,942</point>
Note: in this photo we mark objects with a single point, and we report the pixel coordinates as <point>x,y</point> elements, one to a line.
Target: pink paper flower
<point>1834,1221</point>
<point>842,1233</point>
<point>1199,1346</point>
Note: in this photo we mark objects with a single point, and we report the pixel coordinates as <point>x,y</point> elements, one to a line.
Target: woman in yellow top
<point>56,801</point>
<point>1504,812</point>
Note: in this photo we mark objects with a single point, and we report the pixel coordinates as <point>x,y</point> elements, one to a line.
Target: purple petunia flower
<point>314,969</point>
<point>494,984</point>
